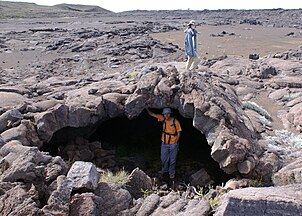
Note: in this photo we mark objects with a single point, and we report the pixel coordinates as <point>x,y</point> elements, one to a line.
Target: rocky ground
<point>63,78</point>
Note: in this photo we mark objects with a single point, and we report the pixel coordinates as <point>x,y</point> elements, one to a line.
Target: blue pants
<point>168,157</point>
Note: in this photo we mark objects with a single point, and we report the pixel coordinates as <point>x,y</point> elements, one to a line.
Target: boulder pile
<point>249,110</point>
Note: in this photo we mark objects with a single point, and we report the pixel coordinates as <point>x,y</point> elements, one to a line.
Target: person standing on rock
<point>191,46</point>
<point>170,137</point>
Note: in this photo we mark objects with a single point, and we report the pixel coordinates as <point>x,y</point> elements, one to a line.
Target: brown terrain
<point>75,81</point>
<point>247,39</point>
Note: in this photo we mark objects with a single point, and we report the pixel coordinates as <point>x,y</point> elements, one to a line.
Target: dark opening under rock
<point>120,143</point>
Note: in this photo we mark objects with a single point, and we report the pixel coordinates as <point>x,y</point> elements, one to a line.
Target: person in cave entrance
<point>170,137</point>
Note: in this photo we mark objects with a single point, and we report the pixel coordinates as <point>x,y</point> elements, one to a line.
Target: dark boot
<point>165,177</point>
<point>172,182</point>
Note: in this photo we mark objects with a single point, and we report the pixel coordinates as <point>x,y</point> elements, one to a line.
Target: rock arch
<point>208,99</point>
<point>120,143</point>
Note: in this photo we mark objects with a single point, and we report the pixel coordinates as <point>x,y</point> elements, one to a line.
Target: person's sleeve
<point>160,117</point>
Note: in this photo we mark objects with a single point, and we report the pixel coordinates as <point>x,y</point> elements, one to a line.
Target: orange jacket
<point>170,130</point>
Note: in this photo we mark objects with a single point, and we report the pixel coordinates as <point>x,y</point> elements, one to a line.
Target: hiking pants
<point>192,62</point>
<point>168,157</point>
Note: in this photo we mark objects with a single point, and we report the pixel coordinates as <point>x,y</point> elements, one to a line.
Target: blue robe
<point>191,42</point>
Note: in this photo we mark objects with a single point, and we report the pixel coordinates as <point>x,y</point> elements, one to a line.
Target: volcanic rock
<point>84,176</point>
<point>289,174</point>
<point>59,200</point>
<point>114,198</point>
<point>262,201</point>
<point>138,183</point>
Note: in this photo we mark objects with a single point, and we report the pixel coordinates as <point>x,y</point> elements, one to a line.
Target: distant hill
<point>81,8</point>
<point>15,10</point>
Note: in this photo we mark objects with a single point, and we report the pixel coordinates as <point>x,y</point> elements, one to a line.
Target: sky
<point>124,5</point>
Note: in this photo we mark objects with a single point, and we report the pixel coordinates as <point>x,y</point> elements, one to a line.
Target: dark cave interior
<point>136,143</point>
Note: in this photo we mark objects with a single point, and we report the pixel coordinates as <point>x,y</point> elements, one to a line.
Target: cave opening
<point>127,144</point>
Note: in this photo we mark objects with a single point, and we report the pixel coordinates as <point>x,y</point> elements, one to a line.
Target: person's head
<point>167,112</point>
<point>191,24</point>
